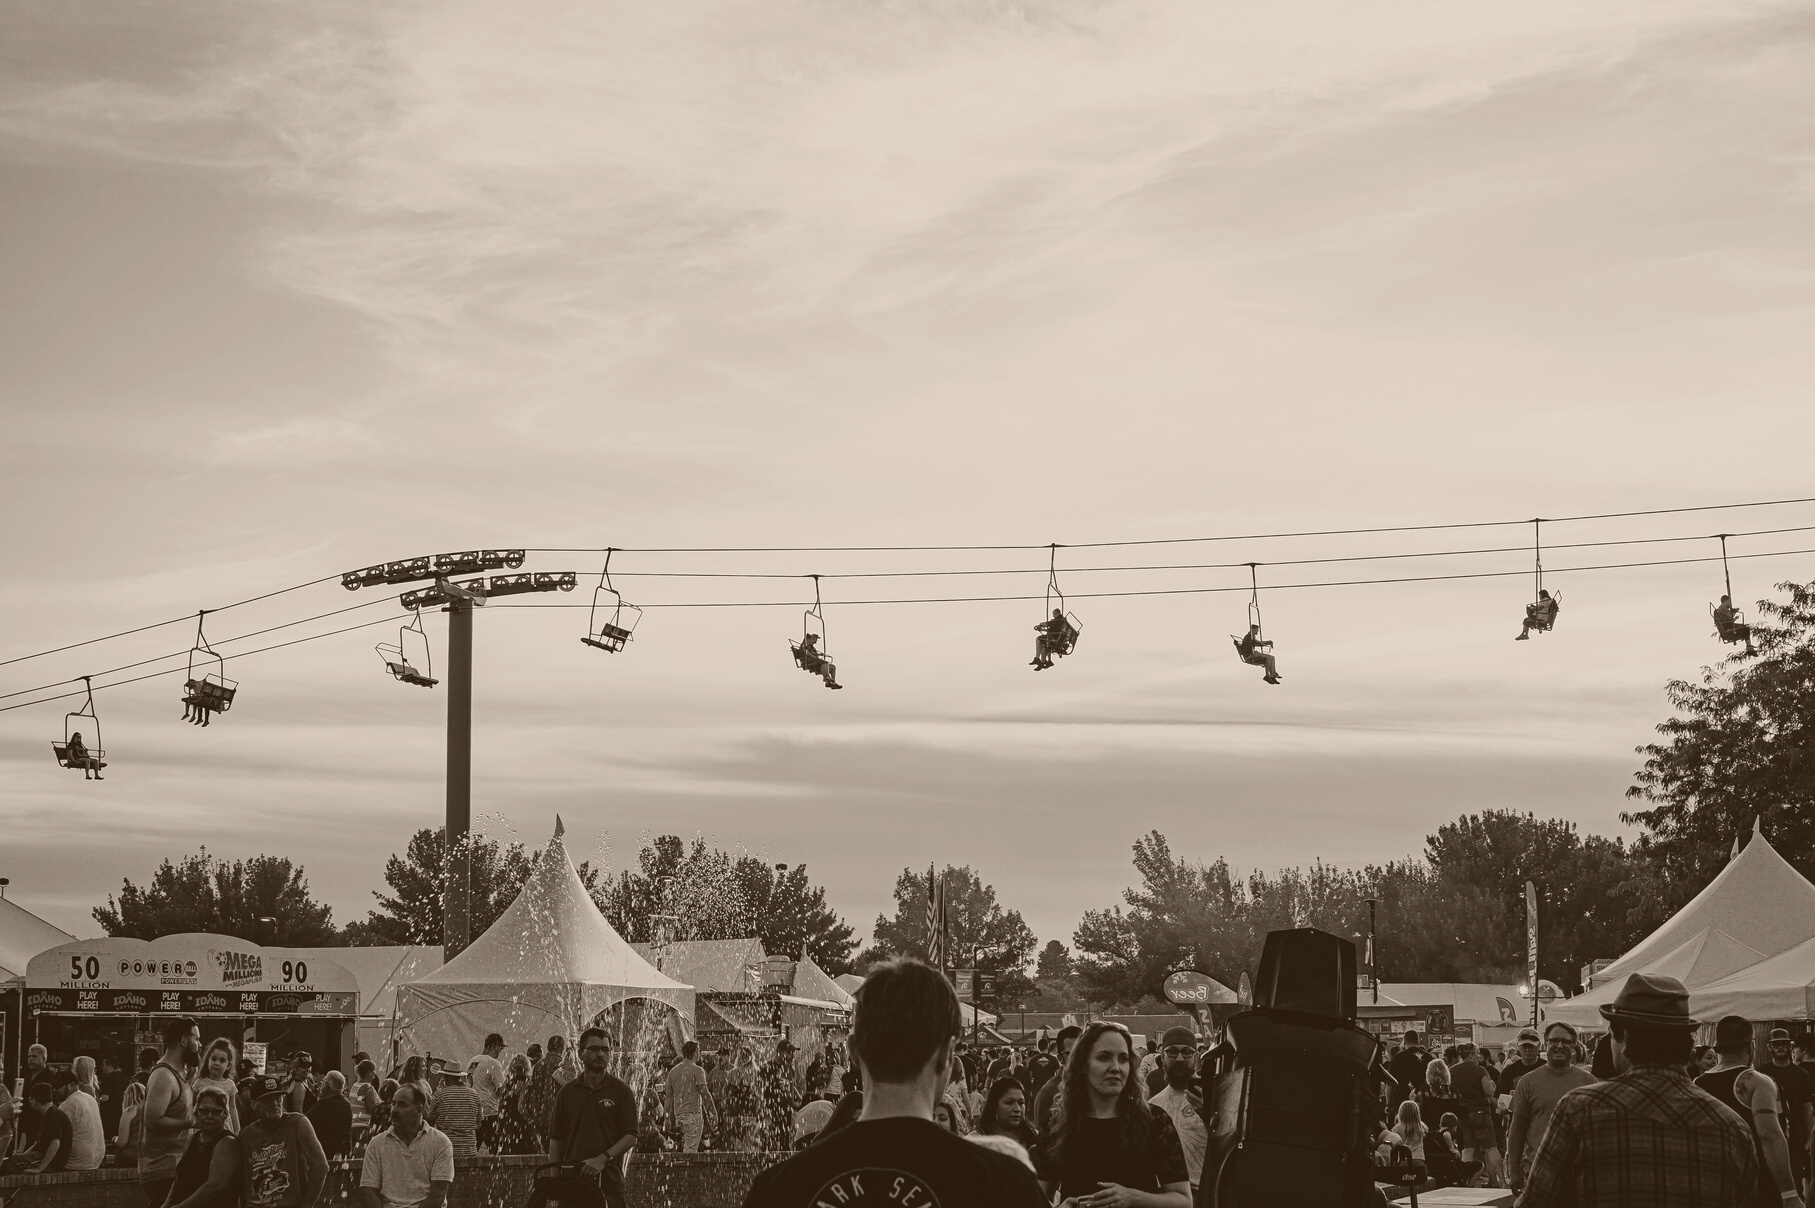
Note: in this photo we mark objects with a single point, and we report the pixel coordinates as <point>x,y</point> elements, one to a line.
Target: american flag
<point>935,909</point>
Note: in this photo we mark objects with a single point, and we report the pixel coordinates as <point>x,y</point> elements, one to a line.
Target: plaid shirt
<point>1646,1139</point>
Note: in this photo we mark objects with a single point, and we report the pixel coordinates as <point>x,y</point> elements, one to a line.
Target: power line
<point>188,616</point>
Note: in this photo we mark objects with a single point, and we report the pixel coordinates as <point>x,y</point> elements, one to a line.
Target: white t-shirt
<point>87,1140</point>
<point>488,1082</point>
<point>1192,1135</point>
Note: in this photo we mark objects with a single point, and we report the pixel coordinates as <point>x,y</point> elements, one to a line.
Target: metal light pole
<point>1373,952</point>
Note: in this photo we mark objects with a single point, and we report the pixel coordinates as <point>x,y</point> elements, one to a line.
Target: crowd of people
<point>1089,1118</point>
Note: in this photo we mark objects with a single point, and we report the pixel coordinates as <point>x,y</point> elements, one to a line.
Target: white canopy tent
<point>550,965</point>
<point>1757,908</point>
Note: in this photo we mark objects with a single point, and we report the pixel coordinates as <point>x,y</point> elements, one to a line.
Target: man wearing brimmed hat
<point>1794,1092</point>
<point>1647,1137</point>
<point>1180,1100</point>
<point>455,1110</point>
<point>1753,1096</point>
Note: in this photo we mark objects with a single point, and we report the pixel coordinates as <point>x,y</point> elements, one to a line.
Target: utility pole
<point>456,902</point>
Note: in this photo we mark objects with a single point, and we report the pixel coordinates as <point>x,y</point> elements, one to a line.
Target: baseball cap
<point>1779,1036</point>
<point>1529,1035</point>
<point>1179,1036</point>
<point>263,1085</point>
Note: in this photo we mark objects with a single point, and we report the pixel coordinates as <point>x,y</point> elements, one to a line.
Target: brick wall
<point>669,1180</point>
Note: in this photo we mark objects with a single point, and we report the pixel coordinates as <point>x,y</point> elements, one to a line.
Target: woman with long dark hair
<point>1005,1113</point>
<point>1107,1148</point>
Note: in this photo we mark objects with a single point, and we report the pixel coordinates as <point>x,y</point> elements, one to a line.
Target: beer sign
<point>1189,988</point>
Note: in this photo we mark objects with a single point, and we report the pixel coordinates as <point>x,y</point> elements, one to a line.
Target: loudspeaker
<point>1308,971</point>
<point>1291,1094</point>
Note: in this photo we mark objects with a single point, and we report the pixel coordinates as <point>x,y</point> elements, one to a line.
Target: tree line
<point>1740,746</point>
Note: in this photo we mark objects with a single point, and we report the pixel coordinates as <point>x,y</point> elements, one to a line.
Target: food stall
<point>110,997</point>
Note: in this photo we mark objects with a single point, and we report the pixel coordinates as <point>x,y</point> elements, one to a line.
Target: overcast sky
<point>287,289</point>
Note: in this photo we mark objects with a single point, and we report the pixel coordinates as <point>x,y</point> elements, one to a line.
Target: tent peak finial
<point>560,827</point>
<point>1758,824</point>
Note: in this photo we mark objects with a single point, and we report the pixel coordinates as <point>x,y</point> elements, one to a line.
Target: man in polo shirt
<point>410,1164</point>
<point>594,1122</point>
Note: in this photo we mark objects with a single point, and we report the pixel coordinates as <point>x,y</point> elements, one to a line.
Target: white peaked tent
<point>549,966</point>
<point>1755,909</point>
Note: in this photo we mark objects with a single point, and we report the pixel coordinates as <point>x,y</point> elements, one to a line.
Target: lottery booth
<point>110,997</point>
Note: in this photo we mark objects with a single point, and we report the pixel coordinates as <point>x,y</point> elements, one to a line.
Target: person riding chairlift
<point>812,660</point>
<point>1053,639</point>
<point>1540,614</point>
<point>80,758</point>
<point>193,709</point>
<point>1730,627</point>
<point>1257,651</point>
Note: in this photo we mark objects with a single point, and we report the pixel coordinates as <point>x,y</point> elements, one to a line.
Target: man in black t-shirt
<point>50,1152</point>
<point>594,1121</point>
<point>1795,1100</point>
<point>1043,1066</point>
<point>902,1036</point>
<point>1407,1068</point>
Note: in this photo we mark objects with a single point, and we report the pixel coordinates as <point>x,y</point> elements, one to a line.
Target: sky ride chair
<point>75,754</point>
<point>1057,635</point>
<point>1254,649</point>
<point>398,663</point>
<point>1541,613</point>
<point>211,692</point>
<point>611,634</point>
<point>1729,622</point>
<point>811,653</point>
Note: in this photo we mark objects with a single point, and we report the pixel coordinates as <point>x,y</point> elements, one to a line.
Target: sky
<point>289,289</point>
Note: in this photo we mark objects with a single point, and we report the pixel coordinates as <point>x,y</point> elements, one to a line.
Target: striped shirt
<point>456,1113</point>
<point>1648,1137</point>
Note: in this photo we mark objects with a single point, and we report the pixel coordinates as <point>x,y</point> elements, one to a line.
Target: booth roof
<point>380,969</point>
<point>720,965</point>
<point>1755,908</point>
<point>1781,987</point>
<point>552,934</point>
<point>1471,1002</point>
<point>22,936</point>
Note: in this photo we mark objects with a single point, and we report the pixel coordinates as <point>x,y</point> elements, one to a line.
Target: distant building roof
<point>731,966</point>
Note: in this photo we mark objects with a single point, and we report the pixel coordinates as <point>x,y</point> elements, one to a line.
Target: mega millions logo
<point>238,968</point>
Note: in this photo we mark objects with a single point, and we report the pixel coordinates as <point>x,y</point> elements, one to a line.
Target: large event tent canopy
<point>1757,908</point>
<point>550,965</point>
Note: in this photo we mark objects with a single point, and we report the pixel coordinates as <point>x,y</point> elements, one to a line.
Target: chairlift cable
<point>177,654</point>
<point>26,704</point>
<point>1192,591</point>
<point>1399,528</point>
<point>161,624</point>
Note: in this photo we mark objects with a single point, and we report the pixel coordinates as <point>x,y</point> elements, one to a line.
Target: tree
<point>205,893</point>
<point>791,914</point>
<point>1055,961</point>
<point>1741,747</point>
<point>412,913</point>
<point>975,921</point>
<point>694,892</point>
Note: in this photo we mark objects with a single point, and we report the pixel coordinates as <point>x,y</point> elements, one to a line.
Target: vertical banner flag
<point>1531,947</point>
<point>935,954</point>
